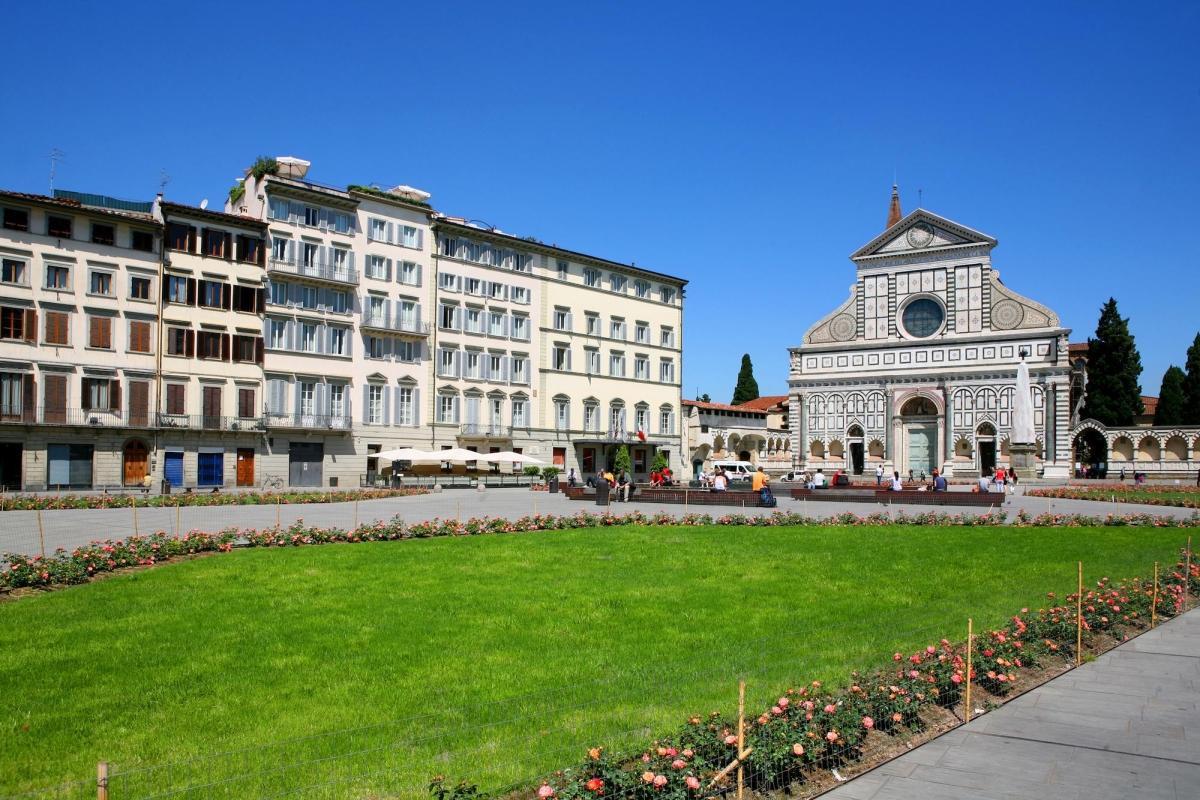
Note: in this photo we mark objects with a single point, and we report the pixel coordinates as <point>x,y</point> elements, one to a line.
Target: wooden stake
<point>178,518</point>
<point>135,519</point>
<point>741,744</point>
<point>102,780</point>
<point>1154,602</point>
<point>41,533</point>
<point>277,506</point>
<point>356,513</point>
<point>1079,619</point>
<point>1187,573</point>
<point>970,646</point>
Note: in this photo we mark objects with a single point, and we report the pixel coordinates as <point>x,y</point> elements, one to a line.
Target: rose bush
<point>22,502</point>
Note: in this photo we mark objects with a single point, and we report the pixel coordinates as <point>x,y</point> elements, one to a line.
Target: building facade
<point>305,328</point>
<point>755,431</point>
<point>916,369</point>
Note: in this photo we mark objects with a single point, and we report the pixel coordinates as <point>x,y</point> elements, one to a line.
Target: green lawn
<point>495,658</point>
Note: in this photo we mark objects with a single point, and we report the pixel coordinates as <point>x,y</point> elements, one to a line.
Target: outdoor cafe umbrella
<point>516,458</point>
<point>406,454</point>
<point>456,454</point>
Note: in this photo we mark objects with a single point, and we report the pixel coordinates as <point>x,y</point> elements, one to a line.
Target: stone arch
<point>718,443</point>
<point>837,450</point>
<point>985,429</point>
<point>920,404</point>
<point>964,449</point>
<point>855,431</point>
<point>817,449</point>
<point>1089,443</point>
<point>875,450</point>
<point>1196,449</point>
<point>1149,449</point>
<point>1175,449</point>
<point>1004,447</point>
<point>1122,449</point>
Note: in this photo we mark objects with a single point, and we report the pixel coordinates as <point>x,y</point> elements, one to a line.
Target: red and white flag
<point>641,434</point>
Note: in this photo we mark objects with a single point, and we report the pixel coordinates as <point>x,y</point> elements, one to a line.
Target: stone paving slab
<point>1126,725</point>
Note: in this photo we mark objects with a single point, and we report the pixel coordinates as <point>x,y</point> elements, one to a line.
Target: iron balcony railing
<point>86,417</point>
<point>332,273</point>
<point>395,324</point>
<point>208,422</point>
<point>315,422</point>
<point>486,429</point>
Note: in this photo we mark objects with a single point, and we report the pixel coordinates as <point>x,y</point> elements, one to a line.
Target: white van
<point>736,470</point>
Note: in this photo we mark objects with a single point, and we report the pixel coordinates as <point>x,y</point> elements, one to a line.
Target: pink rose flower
<point>797,749</point>
<point>829,709</point>
<point>692,782</point>
<point>546,791</point>
<point>660,781</point>
<point>648,776</point>
<point>868,723</point>
<point>678,763</point>
<point>831,736</point>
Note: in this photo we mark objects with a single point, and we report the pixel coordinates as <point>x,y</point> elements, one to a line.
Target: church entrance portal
<point>919,418</point>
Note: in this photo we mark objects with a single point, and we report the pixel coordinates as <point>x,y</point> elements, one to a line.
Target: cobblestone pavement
<point>70,528</point>
<point>1123,726</point>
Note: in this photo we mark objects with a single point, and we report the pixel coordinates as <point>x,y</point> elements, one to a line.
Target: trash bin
<point>602,493</point>
<point>166,487</point>
<point>554,485</point>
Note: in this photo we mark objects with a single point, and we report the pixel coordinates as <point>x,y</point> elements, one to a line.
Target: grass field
<point>496,658</point>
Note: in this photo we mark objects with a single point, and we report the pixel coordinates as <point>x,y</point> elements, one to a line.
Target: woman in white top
<point>897,485</point>
<point>720,482</point>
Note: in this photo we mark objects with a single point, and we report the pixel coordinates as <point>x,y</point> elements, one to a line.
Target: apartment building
<point>78,332</point>
<point>557,354</point>
<point>210,347</point>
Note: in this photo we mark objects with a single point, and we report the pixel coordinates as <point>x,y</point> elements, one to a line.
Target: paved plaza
<point>1125,725</point>
<point>71,528</point>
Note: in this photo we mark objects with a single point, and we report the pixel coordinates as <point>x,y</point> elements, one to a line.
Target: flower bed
<point>33,502</point>
<point>812,729</point>
<point>1179,496</point>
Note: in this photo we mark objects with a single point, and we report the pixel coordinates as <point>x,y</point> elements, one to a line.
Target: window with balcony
<point>616,418</point>
<point>520,413</point>
<point>101,394</point>
<point>14,272</point>
<point>279,249</point>
<point>666,421</point>
<point>337,400</point>
<point>139,288</point>
<point>16,219</point>
<point>308,254</point>
<point>58,277</point>
<point>246,406</point>
<point>176,398</point>
<point>641,416</point>
<point>103,234</point>
<point>374,404</point>
<point>58,227</point>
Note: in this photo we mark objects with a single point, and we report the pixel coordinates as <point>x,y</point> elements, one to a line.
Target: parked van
<point>736,470</point>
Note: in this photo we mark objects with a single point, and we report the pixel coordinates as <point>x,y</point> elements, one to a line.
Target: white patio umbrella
<point>456,454</point>
<point>406,454</point>
<point>510,458</point>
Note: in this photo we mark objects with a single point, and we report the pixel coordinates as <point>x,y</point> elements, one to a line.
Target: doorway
<point>245,466</point>
<point>136,460</point>
<point>304,463</point>
<point>11,456</point>
<point>856,458</point>
<point>987,456</point>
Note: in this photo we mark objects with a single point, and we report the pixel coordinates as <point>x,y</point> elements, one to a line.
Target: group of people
<point>662,477</point>
<point>1001,480</point>
<point>718,480</point>
<point>621,483</point>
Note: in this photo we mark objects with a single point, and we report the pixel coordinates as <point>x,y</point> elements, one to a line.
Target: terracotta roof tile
<point>722,407</point>
<point>765,403</point>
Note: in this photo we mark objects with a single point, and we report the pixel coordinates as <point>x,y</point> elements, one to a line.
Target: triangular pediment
<point>922,231</point>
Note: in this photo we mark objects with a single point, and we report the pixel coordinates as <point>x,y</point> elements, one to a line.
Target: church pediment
<point>922,231</point>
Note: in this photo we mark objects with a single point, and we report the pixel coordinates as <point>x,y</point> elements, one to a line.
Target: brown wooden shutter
<point>106,328</point>
<point>191,291</point>
<point>258,350</point>
<point>226,296</point>
<point>29,399</point>
<point>56,398</point>
<point>30,325</point>
<point>114,394</point>
<point>260,303</point>
<point>225,347</point>
<point>93,331</point>
<point>139,402</point>
<point>227,247</point>
<point>166,288</point>
<point>85,400</point>
<point>175,399</point>
<point>212,401</point>
<point>192,239</point>
<point>189,343</point>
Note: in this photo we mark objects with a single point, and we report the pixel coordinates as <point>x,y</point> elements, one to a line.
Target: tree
<point>623,463</point>
<point>1191,385</point>
<point>703,398</point>
<point>1171,398</point>
<point>1114,396</point>
<point>747,388</point>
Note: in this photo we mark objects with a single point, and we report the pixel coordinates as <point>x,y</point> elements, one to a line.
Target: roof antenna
<point>56,155</point>
<point>919,193</point>
<point>163,180</point>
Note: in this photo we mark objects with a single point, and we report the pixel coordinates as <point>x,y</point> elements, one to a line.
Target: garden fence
<point>503,745</point>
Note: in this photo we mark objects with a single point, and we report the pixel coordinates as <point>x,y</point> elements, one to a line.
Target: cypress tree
<point>1114,396</point>
<point>1191,385</point>
<point>747,388</point>
<point>1170,398</point>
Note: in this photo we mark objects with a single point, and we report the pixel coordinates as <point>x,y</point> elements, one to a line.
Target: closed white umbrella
<point>510,458</point>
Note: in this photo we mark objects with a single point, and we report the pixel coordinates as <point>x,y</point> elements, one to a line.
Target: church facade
<point>916,370</point>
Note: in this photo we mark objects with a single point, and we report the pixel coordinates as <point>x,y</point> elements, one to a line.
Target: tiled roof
<point>722,407</point>
<point>213,214</point>
<point>1149,405</point>
<point>765,403</point>
<point>1078,348</point>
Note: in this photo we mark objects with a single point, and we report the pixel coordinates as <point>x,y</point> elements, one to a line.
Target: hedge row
<point>813,729</point>
<point>83,563</point>
<point>1179,496</point>
<point>29,502</point>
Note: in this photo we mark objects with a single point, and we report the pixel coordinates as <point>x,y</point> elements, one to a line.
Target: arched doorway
<point>854,435</point>
<point>919,427</point>
<point>136,462</point>
<point>985,440</point>
<point>1091,453</point>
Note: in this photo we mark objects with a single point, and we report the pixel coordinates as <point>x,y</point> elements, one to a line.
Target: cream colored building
<point>755,431</point>
<point>78,311</point>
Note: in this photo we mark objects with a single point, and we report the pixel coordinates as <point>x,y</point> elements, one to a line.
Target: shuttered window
<point>100,332</point>
<point>246,403</point>
<point>139,336</point>
<point>175,398</point>
<point>58,327</point>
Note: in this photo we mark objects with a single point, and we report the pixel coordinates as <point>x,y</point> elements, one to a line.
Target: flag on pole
<point>641,434</point>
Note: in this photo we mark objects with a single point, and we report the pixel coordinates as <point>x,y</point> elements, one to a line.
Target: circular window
<point>923,317</point>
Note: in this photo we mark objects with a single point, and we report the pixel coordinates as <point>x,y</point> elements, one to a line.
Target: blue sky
<point>749,148</point>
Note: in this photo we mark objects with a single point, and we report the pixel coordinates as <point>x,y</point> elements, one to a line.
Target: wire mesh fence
<point>804,722</point>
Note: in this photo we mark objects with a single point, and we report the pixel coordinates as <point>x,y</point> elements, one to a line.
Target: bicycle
<point>273,482</point>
